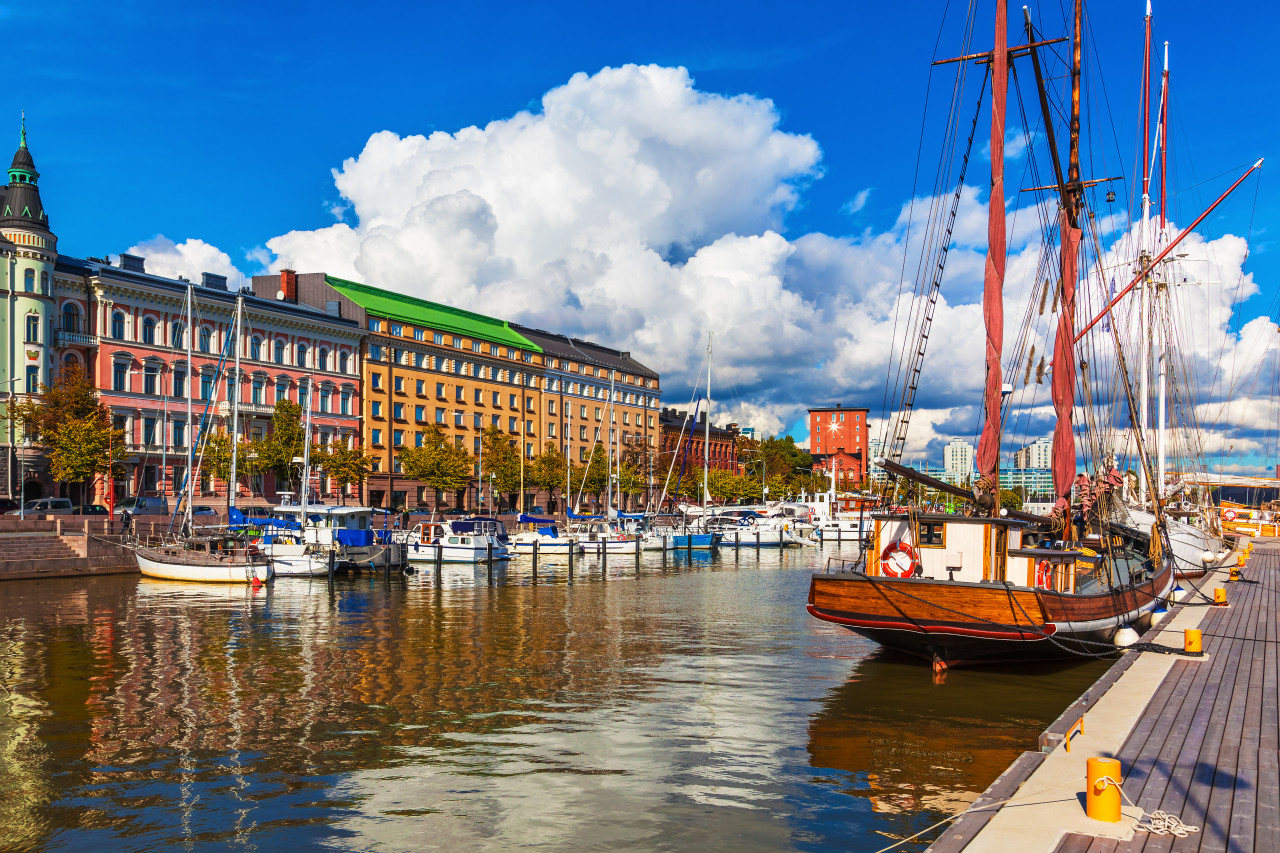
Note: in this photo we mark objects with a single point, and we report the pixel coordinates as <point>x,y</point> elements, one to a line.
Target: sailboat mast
<point>1144,299</point>
<point>988,455</point>
<point>608,462</point>
<point>706,441</point>
<point>190,431</point>
<point>233,485</point>
<point>306,455</point>
<point>1163,353</point>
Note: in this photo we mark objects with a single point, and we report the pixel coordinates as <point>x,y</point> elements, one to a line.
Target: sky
<point>644,176</point>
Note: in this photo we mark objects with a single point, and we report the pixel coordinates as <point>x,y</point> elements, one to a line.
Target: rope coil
<point>1157,822</point>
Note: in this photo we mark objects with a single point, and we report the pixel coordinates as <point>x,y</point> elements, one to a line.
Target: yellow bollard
<point>1192,641</point>
<point>1219,595</point>
<point>1235,573</point>
<point>1102,797</point>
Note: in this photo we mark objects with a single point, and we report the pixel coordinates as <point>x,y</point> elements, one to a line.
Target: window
<point>582,433</point>
<point>437,338</point>
<point>325,394</point>
<point>497,420</point>
<point>399,383</point>
<point>149,381</point>
<point>511,424</point>
<point>279,352</point>
<point>421,388</point>
<point>551,429</point>
<point>323,361</point>
<point>44,283</point>
<point>117,326</point>
<point>206,337</point>
<point>33,380</point>
<point>33,328</point>
<point>119,377</point>
<point>439,389</point>
<point>179,383</point>
<point>206,386</point>
<point>419,413</point>
<point>376,379</point>
<point>497,399</point>
<point>477,420</point>
<point>375,408</point>
<point>528,404</point>
<point>457,419</point>
<point>256,392</point>
<point>582,411</point>
<point>342,362</point>
<point>457,342</point>
<point>511,401</point>
<point>598,411</point>
<point>70,318</point>
<point>344,404</point>
<point>255,349</point>
<point>417,439</point>
<point>179,440</point>
<point>398,411</point>
<point>375,436</point>
<point>282,389</point>
<point>479,396</point>
<point>475,346</point>
<point>375,325</point>
<point>551,407</point>
<point>932,535</point>
<point>397,437</point>
<point>302,355</point>
<point>29,281</point>
<point>419,359</point>
<point>460,394</point>
<point>397,329</point>
<point>439,416</point>
<point>148,430</point>
<point>419,335</point>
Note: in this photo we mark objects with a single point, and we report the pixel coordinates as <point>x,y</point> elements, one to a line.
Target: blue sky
<point>223,123</point>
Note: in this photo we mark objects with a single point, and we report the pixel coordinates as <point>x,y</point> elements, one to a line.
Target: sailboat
<point>998,585</point>
<point>212,557</point>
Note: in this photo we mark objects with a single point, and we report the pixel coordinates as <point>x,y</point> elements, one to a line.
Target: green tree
<point>348,466</point>
<point>216,460</point>
<point>500,459</point>
<point>285,443</point>
<point>546,471</point>
<point>1009,499</point>
<point>439,463</point>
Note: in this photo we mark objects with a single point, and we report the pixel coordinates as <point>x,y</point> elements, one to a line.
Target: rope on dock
<point>1157,822</point>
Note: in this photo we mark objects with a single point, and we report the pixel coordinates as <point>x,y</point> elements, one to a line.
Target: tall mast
<point>706,440</point>
<point>613,428</point>
<point>306,457</point>
<point>235,405</point>
<point>1162,286</point>
<point>1144,298</point>
<point>988,456</point>
<point>190,436</point>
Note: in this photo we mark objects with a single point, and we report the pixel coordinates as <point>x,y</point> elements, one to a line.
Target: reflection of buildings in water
<point>919,746</point>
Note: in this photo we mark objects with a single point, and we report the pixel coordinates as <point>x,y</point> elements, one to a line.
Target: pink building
<point>130,330</point>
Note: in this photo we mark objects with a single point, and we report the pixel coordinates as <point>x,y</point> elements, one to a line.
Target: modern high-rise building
<point>1038,454</point>
<point>957,461</point>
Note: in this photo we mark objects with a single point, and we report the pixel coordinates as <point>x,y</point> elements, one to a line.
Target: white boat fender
<point>1208,557</point>
<point>1125,637</point>
<point>1179,594</point>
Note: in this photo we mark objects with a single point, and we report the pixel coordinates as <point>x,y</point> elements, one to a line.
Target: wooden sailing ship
<point>994,585</point>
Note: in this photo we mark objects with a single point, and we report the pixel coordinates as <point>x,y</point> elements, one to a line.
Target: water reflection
<point>692,703</point>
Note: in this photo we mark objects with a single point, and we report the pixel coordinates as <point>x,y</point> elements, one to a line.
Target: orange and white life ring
<point>1229,515</point>
<point>1044,575</point>
<point>899,559</point>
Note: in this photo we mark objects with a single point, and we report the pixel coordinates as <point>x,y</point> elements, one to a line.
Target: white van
<point>143,506</point>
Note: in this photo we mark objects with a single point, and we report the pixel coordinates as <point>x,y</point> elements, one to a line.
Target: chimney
<point>289,285</point>
<point>213,280</point>
<point>132,263</point>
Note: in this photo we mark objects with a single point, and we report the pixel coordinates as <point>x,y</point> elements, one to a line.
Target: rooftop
<point>410,309</point>
<point>563,346</point>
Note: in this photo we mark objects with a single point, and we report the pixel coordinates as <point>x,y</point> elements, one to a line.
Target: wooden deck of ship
<point>1198,740</point>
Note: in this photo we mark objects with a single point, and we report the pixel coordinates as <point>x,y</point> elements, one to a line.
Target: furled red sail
<point>1064,370</point>
<point>988,455</point>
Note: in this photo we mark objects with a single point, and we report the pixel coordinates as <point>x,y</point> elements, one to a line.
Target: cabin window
<point>932,535</point>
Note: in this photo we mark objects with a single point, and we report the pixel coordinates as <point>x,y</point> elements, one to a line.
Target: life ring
<point>892,562</point>
<point>1044,575</point>
<point>1229,515</point>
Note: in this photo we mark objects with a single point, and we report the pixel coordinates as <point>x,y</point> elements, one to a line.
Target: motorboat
<point>465,540</point>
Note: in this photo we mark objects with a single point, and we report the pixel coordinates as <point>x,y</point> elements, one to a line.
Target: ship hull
<point>960,624</point>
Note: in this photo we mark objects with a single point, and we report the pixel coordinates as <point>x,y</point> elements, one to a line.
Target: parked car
<point>256,512</point>
<point>455,510</point>
<point>537,510</point>
<point>143,506</point>
<point>92,509</point>
<point>45,506</point>
<point>203,510</point>
<point>7,504</point>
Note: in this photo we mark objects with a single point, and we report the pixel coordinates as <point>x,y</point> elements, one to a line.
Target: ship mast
<point>1144,254</point>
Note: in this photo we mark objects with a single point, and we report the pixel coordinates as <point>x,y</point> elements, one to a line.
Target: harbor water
<point>691,704</point>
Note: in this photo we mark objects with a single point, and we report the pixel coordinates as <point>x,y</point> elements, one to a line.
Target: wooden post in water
<point>757,540</point>
<point>439,561</point>
<point>604,557</point>
<point>333,561</point>
<point>573,553</point>
<point>535,561</point>
<point>637,555</point>
<point>488,559</point>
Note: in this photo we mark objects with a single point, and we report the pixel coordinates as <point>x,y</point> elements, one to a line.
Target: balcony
<point>73,337</point>
<point>224,409</point>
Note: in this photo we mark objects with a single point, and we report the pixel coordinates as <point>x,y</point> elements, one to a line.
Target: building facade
<point>683,441</point>
<point>1037,454</point>
<point>957,462</point>
<point>836,431</point>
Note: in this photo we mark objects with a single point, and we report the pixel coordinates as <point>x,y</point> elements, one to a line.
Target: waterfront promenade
<point>1196,739</point>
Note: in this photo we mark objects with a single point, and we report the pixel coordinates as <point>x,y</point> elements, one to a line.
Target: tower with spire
<point>30,252</point>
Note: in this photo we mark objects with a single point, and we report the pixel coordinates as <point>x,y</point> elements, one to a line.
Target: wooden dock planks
<point>1206,749</point>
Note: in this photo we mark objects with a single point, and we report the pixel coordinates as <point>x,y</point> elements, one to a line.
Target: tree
<point>1010,499</point>
<point>216,460</point>
<point>547,470</point>
<point>285,443</point>
<point>348,466</point>
<point>439,463</point>
<point>69,419</point>
<point>500,459</point>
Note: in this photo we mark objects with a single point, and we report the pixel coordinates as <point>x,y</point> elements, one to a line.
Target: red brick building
<point>838,439</point>
<point>724,441</point>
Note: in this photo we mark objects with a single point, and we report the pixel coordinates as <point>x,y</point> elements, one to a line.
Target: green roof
<point>410,309</point>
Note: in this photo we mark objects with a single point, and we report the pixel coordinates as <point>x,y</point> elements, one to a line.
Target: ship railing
<point>858,565</point>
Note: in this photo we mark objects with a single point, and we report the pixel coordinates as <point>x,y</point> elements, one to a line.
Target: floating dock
<point>1196,739</point>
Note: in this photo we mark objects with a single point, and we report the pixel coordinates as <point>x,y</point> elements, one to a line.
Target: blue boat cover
<point>533,519</point>
<point>355,538</point>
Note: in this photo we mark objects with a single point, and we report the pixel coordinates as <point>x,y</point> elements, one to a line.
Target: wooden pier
<point>1196,739</point>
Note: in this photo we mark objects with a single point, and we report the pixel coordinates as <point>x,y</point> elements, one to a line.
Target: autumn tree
<point>500,459</point>
<point>347,466</point>
<point>439,463</point>
<point>547,470</point>
<point>216,459</point>
<point>285,443</point>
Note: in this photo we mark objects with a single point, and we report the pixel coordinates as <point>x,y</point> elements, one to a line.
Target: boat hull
<point>418,553</point>
<point>157,563</point>
<point>681,542</point>
<point>958,623</point>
